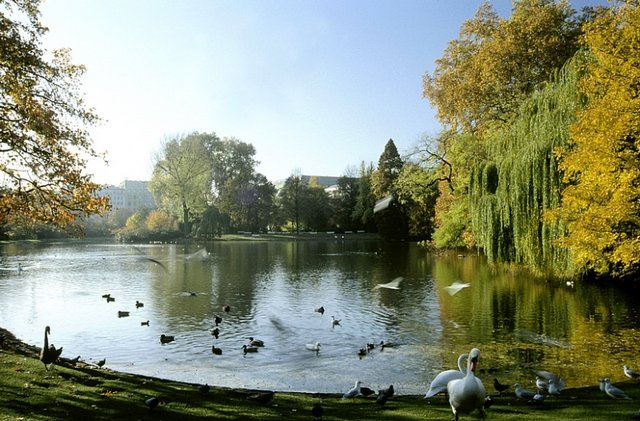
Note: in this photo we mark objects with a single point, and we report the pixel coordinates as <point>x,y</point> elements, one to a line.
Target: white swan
<point>467,393</point>
<point>439,383</point>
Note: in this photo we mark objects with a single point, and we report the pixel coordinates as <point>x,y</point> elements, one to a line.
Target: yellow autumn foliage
<point>601,165</point>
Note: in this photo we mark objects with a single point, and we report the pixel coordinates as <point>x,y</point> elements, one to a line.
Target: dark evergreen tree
<point>391,221</point>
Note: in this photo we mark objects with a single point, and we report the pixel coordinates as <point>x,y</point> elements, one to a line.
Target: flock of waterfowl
<point>464,390</point>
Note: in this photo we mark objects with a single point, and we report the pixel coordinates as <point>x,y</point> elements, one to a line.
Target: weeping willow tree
<point>520,181</point>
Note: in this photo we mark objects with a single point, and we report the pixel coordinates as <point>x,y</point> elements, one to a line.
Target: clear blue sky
<point>316,86</point>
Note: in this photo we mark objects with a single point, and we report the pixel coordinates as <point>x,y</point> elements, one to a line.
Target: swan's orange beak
<point>474,363</point>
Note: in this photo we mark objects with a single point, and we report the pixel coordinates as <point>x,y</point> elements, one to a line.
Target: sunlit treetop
<point>495,63</point>
<point>44,141</point>
<point>602,163</point>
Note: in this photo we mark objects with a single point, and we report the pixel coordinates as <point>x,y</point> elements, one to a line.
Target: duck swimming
<point>247,349</point>
<point>255,342</point>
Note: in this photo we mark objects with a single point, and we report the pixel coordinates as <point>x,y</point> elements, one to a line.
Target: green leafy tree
<point>290,199</point>
<point>248,203</point>
<point>344,202</point>
<point>365,201</point>
<point>43,121</point>
<point>496,63</point>
<point>135,229</point>
<point>520,181</point>
<point>246,196</point>
<point>478,87</point>
<point>315,208</point>
<point>417,192</point>
<point>212,223</point>
<point>602,163</point>
<point>181,179</point>
<point>231,159</point>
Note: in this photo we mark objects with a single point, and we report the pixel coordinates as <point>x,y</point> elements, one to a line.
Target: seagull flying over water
<point>456,287</point>
<point>145,257</point>
<point>395,284</point>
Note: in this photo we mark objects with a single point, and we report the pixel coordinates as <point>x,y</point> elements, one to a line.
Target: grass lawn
<point>29,392</point>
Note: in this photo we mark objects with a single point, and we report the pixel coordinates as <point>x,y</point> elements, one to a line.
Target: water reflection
<point>273,288</point>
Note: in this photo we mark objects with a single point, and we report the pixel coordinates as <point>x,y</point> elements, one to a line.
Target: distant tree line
<point>206,186</point>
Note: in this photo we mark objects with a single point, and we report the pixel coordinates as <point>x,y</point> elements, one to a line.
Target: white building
<point>129,195</point>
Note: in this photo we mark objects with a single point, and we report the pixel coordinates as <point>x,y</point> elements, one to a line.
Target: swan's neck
<point>461,366</point>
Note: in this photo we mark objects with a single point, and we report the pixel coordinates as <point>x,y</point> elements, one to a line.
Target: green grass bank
<point>80,391</point>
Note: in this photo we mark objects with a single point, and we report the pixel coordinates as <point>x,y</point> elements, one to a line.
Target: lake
<point>581,332</point>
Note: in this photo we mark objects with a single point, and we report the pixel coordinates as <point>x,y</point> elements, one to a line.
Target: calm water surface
<point>582,332</point>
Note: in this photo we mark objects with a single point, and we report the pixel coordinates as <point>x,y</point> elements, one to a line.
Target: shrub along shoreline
<point>83,391</point>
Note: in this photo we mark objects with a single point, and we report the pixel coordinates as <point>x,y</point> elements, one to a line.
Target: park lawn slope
<point>67,391</point>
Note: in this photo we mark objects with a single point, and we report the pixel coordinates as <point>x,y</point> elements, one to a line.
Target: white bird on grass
<point>554,387</point>
<point>630,372</point>
<point>523,393</point>
<point>613,392</point>
<point>537,399</point>
<point>541,383</point>
<point>353,392</point>
<point>456,287</point>
<point>467,393</point>
<point>439,383</point>
<point>395,284</point>
<point>549,376</point>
